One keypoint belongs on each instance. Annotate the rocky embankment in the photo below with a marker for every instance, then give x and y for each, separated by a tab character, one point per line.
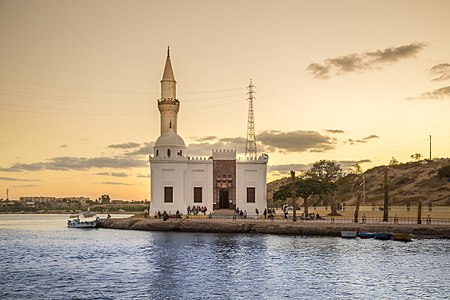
271	227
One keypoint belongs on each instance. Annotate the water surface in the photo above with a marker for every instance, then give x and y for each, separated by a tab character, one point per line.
41	258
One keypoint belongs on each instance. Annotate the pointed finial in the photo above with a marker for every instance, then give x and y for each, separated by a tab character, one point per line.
168	51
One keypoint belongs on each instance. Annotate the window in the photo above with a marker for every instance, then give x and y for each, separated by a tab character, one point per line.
157	152
251	195
198	194
168	152
168	194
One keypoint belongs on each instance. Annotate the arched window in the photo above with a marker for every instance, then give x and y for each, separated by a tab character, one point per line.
168	152
157	152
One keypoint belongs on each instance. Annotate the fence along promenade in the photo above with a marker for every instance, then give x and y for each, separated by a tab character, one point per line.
400	214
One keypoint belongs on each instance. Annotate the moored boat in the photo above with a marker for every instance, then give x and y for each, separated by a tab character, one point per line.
403	237
90	220
348	234
365	235
382	236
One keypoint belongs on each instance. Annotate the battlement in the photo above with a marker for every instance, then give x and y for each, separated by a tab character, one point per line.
199	157
224	154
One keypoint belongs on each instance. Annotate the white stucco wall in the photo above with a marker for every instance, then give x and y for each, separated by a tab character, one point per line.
170	174
199	174
251	174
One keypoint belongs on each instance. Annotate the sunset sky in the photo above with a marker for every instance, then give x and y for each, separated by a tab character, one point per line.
350	81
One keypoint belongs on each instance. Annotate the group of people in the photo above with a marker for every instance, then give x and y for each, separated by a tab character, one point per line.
164	215
268	213
194	210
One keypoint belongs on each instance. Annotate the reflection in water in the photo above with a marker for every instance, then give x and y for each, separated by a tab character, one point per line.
42	258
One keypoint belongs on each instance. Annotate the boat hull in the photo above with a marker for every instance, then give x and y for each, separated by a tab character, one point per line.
402	237
365	235
76	223
382	236
348	234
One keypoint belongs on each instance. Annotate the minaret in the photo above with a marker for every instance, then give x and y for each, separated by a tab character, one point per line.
168	105
250	146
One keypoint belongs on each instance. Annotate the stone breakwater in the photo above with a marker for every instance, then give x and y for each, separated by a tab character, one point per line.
268	227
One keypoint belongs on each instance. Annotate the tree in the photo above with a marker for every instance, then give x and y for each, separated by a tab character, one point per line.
356	184
105	199
304	188
326	172
356	169
416	156
393	162
385	187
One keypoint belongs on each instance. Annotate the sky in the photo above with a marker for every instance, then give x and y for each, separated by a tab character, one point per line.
348	81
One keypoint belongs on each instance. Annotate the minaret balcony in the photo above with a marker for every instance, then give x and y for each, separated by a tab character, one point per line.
169	101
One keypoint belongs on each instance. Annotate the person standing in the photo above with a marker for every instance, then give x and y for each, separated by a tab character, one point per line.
257	213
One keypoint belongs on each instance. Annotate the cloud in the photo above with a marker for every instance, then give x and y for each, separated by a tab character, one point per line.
439	94
129	145
16	179
205	149
270	141
143	176
146	149
114	174
205	138
80	163
9	170
334	131
372	136
295	141
361	141
63	146
347	164
285	169
112	183
363	61
440	72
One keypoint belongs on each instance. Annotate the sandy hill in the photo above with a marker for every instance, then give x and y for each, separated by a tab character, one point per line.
408	183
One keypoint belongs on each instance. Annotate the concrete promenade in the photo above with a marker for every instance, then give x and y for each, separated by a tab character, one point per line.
261	226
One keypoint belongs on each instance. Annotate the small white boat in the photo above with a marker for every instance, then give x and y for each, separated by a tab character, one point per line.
348	234
90	220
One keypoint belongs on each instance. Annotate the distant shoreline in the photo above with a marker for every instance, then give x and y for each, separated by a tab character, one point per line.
301	228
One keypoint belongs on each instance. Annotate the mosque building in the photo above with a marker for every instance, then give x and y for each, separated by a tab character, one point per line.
218	182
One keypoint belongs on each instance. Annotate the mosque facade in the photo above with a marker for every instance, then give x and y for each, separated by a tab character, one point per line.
221	181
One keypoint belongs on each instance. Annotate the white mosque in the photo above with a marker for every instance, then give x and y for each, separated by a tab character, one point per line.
218	182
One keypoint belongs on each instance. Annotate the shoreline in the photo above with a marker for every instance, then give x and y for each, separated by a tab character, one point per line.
301	228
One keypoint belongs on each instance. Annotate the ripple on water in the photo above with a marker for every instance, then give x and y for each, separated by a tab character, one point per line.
57	262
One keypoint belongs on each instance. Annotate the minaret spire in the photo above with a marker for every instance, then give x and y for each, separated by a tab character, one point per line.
168	105
250	146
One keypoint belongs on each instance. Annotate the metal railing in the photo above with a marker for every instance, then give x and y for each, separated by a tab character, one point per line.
326	219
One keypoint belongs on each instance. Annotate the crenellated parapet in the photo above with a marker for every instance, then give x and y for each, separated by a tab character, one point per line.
263	158
224	154
195	158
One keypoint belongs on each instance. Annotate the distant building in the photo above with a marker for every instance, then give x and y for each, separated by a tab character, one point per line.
220	181
41	200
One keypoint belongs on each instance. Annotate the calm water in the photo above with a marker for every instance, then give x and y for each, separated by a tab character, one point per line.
41	258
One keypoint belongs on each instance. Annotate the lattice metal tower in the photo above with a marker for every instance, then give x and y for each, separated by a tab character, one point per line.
250	145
